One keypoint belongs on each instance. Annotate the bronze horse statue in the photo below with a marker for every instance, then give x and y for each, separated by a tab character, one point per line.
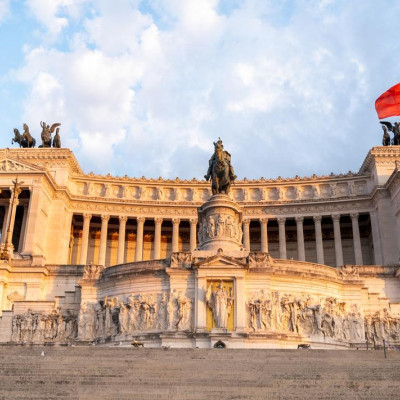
25	140
220	173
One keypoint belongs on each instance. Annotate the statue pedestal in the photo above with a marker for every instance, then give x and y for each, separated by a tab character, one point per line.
220	224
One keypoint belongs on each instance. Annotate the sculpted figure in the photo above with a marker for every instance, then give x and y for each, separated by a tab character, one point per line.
57	139
182	302
386	136
252	304
220	302
220	170
229	227
134	309
46	133
210	227
171	309
220	226
123	319
25	140
162	312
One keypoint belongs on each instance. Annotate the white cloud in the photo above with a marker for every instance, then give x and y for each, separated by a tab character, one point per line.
156	88
4	9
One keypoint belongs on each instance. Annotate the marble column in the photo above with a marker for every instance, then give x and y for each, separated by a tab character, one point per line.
103	239
356	239
121	239
23	228
376	238
139	239
175	234
338	240
246	234
85	238
264	235
240	305
318	239
4	229
282	238
193	227
157	238
301	254
200	304
32	242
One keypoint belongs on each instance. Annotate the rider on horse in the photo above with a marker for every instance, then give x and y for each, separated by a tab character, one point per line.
219	146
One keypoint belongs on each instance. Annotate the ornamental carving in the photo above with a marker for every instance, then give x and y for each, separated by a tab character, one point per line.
259	260
183	260
307	315
348	272
92	271
219	226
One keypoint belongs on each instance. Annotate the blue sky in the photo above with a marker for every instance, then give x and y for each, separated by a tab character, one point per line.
145	87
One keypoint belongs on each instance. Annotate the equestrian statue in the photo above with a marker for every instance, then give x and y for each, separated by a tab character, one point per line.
220	170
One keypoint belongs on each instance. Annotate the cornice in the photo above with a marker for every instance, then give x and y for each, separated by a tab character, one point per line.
380	155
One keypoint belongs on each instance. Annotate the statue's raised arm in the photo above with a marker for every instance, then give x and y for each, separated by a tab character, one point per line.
220	170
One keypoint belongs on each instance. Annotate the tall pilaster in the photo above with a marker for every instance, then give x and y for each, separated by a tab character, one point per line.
157	238
264	235
318	239
338	240
139	239
246	234
301	254
85	238
282	238
103	239
193	226
356	239
175	234
376	238
121	239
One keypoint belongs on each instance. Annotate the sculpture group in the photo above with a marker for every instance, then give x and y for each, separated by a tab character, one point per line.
386	140
27	141
327	317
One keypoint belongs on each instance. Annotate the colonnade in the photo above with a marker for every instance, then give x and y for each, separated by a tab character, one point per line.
176	222
318	238
140	221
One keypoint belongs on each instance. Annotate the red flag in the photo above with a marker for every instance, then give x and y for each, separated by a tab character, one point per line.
388	103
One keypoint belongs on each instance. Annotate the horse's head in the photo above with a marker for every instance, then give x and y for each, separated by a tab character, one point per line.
219	154
16	132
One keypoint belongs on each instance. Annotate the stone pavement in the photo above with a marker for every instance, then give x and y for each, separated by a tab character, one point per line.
192	374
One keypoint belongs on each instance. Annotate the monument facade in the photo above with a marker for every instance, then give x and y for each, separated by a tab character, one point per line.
252	264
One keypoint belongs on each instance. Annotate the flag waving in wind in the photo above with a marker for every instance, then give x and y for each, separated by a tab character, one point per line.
388	103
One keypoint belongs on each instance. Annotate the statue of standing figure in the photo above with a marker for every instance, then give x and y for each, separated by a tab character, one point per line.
220	301
220	170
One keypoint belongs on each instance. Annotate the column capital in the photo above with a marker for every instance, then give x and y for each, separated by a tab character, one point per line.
299	220
335	217
87	216
176	221
246	221
105	217
281	220
317	218
123	218
264	221
354	215
158	220
140	220
193	221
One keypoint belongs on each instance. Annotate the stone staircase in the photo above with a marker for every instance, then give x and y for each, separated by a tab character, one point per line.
190	374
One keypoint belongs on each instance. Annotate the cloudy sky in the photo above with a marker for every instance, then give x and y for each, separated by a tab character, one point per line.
145	87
